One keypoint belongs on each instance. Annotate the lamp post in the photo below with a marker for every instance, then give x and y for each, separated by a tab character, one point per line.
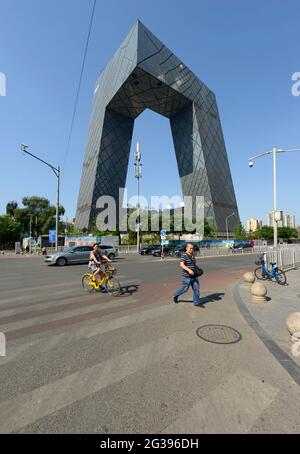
232	214
138	176
56	171
274	151
30	221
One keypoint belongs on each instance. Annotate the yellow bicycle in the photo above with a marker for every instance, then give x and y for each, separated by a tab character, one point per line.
108	281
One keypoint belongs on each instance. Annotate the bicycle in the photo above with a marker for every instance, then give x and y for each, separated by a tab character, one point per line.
263	273
108	281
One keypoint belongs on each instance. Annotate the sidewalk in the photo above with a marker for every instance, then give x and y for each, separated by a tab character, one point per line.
271	316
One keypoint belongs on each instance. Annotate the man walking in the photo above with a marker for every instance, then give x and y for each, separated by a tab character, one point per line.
188	265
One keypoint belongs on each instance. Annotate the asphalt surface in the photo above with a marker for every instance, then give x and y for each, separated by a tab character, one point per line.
82	363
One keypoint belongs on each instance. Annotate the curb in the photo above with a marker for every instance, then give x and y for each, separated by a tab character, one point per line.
282	357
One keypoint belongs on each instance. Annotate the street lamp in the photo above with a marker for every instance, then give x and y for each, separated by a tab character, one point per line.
274	151
30	221
138	176
57	174
232	214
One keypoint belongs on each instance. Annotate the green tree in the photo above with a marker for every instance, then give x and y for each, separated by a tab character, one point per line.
210	229
36	204
11	208
72	230
286	233
43	215
39	211
10	229
264	233
239	232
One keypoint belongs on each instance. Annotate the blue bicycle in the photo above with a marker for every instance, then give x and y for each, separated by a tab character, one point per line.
262	272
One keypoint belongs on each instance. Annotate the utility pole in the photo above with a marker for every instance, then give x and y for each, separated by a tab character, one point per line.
227	233
30	221
274	152
56	172
138	176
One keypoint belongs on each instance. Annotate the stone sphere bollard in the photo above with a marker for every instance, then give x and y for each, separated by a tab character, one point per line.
259	292
2	252
249	277
293	324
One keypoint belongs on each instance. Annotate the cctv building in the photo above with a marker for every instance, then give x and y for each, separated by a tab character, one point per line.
142	74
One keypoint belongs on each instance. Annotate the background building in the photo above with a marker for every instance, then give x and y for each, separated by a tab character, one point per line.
253	224
271	219
287	220
144	73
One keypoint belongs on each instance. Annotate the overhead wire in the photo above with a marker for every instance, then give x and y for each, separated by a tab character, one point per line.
79	86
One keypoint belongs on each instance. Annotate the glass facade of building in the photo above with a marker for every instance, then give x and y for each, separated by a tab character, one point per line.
143	74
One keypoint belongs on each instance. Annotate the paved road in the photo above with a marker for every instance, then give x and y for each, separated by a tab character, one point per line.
38	298
91	363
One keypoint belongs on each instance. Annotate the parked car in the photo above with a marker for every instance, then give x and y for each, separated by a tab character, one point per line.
78	254
147	249
110	251
178	250
157	252
241	246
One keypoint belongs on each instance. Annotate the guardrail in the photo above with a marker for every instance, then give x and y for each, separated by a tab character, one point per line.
126	249
286	258
203	251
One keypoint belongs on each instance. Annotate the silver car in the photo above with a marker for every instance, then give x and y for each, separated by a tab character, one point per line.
78	254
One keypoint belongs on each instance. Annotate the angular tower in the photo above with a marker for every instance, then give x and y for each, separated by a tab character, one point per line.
143	74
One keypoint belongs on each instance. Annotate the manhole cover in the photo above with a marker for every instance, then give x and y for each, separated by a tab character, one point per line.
219	334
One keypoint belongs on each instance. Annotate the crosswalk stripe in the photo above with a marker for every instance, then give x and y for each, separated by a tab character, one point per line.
75	307
29	407
17	350
233	405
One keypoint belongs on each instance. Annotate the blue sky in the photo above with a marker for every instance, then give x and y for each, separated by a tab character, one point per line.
245	51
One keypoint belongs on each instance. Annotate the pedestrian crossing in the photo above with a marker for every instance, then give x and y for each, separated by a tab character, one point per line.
43	322
44	400
79	362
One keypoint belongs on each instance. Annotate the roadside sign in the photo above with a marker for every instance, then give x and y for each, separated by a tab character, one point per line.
163	233
52	236
164	242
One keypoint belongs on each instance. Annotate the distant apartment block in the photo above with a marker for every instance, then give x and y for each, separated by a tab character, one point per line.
287	220
253	224
271	219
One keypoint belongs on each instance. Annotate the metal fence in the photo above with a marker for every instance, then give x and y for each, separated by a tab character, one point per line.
204	251
285	257
127	249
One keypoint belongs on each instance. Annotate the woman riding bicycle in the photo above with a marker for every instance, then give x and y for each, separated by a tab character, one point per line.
95	262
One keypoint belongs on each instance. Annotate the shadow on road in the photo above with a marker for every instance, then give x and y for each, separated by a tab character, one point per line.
128	290
211	298
207	299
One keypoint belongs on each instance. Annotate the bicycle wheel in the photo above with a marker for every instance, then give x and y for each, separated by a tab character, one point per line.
113	286
280	277
87	283
260	274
